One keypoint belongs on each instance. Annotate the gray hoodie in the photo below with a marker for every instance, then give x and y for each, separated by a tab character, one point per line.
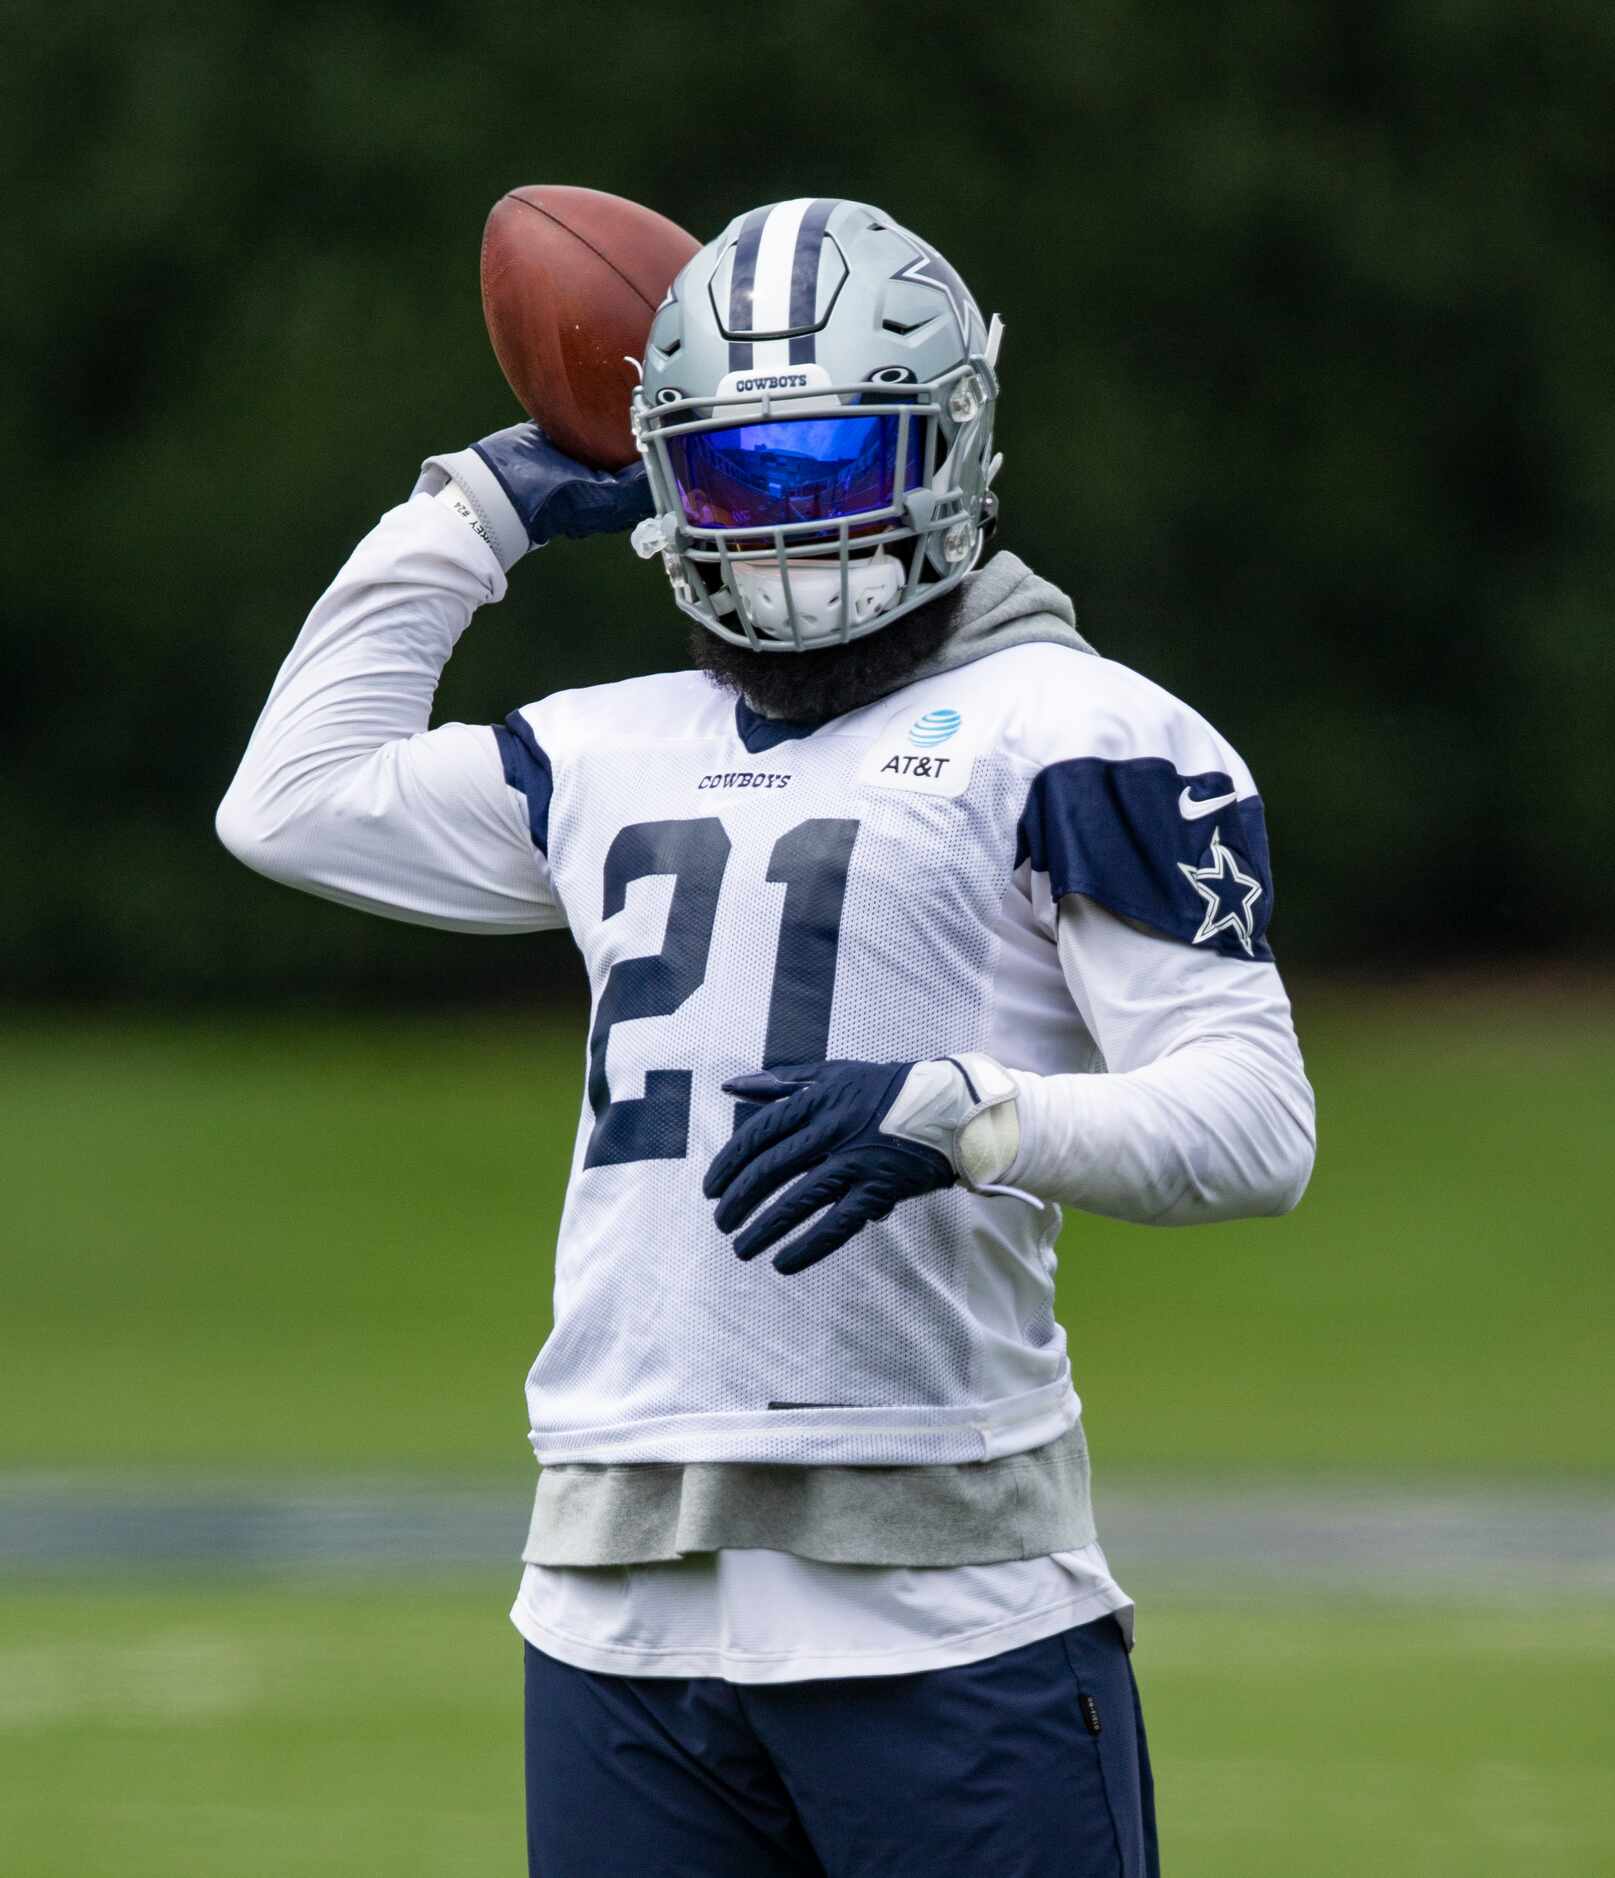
1002	604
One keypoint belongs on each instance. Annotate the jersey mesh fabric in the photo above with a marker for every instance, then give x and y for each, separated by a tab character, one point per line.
827	891
666	1346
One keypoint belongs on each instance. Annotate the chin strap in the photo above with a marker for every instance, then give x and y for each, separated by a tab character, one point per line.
652	536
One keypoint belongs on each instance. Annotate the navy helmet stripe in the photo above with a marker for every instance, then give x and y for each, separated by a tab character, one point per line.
742	286
805	276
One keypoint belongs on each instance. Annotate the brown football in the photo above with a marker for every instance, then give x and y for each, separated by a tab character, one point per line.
571	279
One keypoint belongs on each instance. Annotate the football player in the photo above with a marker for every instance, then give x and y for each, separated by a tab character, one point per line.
908	920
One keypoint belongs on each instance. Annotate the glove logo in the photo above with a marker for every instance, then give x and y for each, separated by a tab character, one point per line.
933	728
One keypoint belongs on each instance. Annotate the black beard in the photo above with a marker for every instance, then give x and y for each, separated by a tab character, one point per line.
813	687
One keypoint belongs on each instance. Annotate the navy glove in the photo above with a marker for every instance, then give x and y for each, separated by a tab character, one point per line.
825	1117
525	491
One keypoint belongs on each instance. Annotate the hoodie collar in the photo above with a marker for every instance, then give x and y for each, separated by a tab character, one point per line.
1001	604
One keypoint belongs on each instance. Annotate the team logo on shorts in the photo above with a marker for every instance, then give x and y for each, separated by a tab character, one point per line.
934	728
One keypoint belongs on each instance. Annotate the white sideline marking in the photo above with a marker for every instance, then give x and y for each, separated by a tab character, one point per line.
172	1676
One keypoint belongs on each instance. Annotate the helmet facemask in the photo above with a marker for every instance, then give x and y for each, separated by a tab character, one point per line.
794	512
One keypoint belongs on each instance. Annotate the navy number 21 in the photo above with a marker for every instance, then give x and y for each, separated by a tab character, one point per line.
811	862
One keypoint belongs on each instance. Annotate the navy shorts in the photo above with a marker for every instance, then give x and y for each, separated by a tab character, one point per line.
1031	1764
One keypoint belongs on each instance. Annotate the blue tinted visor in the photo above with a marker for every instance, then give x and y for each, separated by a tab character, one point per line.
801	469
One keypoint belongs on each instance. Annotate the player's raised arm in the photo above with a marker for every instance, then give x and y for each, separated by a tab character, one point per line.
343	790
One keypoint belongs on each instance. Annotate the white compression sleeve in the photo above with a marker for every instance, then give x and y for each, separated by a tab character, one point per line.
343	790
459	504
1205	1114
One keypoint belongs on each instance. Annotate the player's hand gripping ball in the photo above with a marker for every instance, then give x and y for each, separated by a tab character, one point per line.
821	1121
554	495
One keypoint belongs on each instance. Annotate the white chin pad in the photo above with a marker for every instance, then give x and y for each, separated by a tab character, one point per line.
872	585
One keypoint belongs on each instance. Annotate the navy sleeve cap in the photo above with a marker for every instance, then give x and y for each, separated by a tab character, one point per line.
527	769
1182	854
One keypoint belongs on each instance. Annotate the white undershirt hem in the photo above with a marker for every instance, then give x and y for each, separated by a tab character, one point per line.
811	1657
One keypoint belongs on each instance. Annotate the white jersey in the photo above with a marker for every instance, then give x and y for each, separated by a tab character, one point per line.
744	893
741	899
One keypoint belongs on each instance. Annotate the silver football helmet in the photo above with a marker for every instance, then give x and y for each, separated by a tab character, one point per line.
816	413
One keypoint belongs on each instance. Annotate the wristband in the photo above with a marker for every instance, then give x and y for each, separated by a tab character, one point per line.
457	502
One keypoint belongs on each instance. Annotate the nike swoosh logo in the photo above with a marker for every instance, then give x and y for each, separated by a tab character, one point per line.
1191	808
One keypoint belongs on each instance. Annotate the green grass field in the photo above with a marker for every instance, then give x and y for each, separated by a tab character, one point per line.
267	1247
206	1731
248	1250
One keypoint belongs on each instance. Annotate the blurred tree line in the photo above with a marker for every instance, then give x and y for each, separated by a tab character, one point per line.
1309	402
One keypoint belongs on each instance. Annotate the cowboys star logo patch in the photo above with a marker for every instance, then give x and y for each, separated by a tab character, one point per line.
1230	896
